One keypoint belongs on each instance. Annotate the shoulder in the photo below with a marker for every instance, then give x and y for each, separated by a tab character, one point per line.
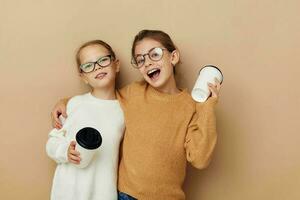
209	103
75	101
189	102
134	85
131	89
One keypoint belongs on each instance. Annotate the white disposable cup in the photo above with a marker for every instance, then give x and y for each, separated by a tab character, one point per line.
207	74
88	140
86	156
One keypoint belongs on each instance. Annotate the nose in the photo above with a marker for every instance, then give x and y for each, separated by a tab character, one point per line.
148	61
97	66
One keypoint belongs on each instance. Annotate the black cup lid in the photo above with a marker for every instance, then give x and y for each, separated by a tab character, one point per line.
89	138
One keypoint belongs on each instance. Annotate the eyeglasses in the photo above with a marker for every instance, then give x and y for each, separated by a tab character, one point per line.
155	54
103	61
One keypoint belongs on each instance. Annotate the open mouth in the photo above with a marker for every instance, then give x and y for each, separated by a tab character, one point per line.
153	73
100	75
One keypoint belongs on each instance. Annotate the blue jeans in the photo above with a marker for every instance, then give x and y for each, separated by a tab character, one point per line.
123	196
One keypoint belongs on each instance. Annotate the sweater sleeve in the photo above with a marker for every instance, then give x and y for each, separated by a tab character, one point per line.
123	95
201	134
57	146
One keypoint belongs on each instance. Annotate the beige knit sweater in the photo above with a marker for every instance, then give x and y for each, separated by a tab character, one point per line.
162	133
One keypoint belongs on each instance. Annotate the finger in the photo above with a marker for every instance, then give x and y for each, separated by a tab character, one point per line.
74	161
218	87
55	114
213	91
73	144
64	113
57	125
211	85
75	158
217	81
56	121
72	148
53	122
211	88
74	152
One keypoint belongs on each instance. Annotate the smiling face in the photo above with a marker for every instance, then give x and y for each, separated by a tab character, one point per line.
101	77
159	74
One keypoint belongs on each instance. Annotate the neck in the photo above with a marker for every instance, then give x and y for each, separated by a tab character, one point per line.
169	87
107	93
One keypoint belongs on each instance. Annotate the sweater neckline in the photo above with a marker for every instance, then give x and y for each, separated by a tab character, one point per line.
165	96
92	97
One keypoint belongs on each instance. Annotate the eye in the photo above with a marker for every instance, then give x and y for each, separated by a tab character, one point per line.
139	60
156	53
104	61
86	66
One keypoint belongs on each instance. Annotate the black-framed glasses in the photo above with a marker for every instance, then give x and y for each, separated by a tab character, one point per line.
103	61
154	54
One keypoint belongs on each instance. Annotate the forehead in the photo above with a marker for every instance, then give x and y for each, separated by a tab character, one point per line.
145	45
92	53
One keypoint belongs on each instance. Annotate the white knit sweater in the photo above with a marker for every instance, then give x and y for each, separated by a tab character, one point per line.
98	181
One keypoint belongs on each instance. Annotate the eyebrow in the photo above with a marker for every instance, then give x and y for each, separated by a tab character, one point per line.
97	59
148	51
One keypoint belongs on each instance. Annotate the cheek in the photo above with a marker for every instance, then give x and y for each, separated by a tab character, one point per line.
113	71
90	76
142	70
166	63
168	68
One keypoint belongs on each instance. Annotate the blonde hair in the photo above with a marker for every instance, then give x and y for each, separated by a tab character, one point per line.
91	43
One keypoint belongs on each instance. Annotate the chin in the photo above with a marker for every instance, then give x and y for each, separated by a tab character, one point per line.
102	84
156	84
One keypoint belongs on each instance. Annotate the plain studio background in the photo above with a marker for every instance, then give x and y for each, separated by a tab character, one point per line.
255	43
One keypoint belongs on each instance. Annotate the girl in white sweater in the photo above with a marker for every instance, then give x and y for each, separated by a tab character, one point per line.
98	66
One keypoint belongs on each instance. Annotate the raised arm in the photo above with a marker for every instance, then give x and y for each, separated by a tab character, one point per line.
201	134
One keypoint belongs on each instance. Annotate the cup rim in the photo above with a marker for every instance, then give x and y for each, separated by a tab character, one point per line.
215	68
83	144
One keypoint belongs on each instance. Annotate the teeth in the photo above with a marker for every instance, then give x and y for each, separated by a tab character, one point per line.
151	71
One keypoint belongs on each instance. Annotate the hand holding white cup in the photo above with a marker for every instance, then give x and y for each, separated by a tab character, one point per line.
73	155
88	141
204	86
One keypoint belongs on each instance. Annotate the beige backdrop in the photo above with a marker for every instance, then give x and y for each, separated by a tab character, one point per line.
255	43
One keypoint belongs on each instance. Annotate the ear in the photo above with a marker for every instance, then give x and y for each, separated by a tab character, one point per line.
117	64
175	57
83	78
